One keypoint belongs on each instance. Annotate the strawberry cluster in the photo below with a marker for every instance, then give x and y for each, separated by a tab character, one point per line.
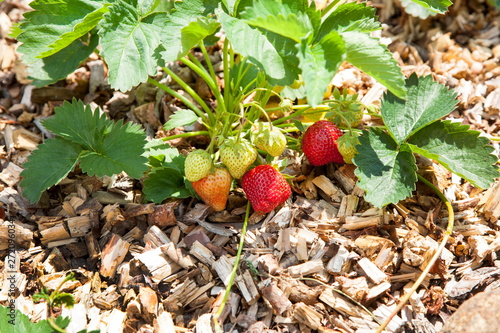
265	187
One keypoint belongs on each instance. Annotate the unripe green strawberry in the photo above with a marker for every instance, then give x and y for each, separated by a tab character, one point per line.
346	111
347	146
272	140
237	156
197	165
319	143
214	188
265	188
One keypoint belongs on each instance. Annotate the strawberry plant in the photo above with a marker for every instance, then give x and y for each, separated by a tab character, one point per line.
281	49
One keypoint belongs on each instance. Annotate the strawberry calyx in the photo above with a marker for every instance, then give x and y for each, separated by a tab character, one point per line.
347	146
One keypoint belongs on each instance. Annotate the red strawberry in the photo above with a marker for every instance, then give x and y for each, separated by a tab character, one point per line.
214	188
319	143
265	188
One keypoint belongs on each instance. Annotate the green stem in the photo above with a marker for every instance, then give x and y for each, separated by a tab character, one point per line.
208	62
188	89
53	294
226	65
185	135
183	99
291	115
54	326
208	80
449	229
235	268
259	108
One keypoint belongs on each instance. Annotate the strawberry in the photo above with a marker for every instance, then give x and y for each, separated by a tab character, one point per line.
270	139
237	156
214	188
197	165
346	111
265	188
347	146
319	143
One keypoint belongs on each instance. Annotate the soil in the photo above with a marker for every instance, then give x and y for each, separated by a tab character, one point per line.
325	261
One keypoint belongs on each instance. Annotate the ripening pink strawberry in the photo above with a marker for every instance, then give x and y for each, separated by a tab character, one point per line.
214	188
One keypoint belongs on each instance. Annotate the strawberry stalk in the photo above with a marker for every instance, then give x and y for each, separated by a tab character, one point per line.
187	88
233	272
183	99
449	229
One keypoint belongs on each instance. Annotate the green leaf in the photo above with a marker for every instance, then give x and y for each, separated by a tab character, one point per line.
287	49
18	322
163	183
282	18
77	123
427	101
417	10
195	32
55	24
253	44
319	63
89	22
129	43
120	150
15	30
460	150
386	172
180	118
438	6
102	147
494	3
187	26
166	157
58	66
350	17
65	299
375	59
47	166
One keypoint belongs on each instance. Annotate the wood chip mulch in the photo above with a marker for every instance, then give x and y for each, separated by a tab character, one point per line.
326	261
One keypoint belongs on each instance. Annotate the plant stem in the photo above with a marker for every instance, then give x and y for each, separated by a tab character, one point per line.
208	61
183	99
293	115
226	63
235	268
449	229
198	68
54	326
188	89
185	135
50	305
